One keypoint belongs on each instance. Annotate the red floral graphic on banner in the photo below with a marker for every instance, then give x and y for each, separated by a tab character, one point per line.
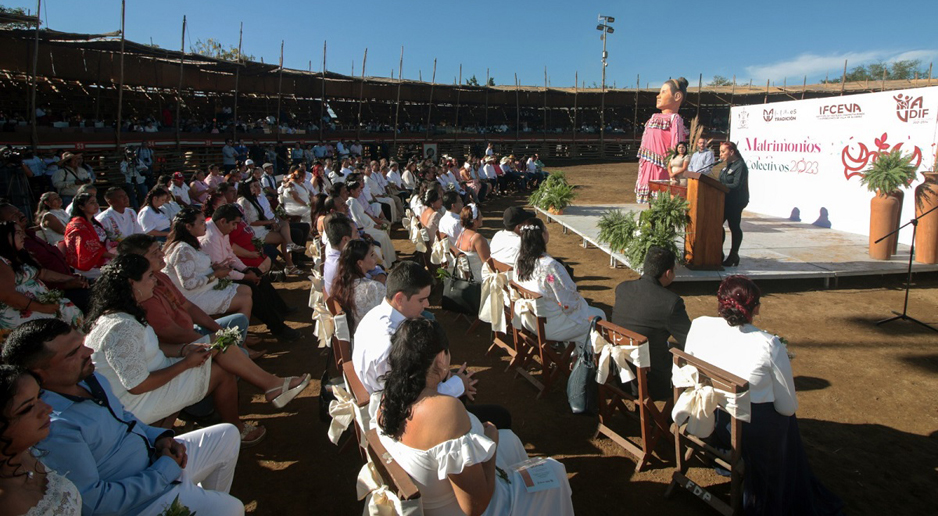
854	165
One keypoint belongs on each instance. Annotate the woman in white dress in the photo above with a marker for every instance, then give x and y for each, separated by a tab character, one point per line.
432	213
152	218
149	384
52	218
371	225
471	242
194	274
568	315
294	196
355	292
268	231
461	465
678	165
27	486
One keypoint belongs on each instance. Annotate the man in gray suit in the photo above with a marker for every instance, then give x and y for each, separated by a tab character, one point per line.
647	307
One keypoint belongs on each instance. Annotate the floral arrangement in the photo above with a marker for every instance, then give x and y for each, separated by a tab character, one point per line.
50	297
258	244
226	337
177	509
784	341
222	283
280	212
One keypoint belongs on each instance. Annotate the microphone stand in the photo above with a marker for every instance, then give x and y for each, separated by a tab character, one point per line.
908	284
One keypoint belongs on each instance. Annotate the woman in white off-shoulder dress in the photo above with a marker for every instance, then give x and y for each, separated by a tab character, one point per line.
27	486
441	446
194	274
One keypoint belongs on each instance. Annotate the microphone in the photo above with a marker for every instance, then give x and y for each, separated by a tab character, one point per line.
715	163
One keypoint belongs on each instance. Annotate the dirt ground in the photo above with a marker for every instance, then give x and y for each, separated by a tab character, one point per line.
867	394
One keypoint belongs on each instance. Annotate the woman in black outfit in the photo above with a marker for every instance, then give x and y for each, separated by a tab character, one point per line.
735	176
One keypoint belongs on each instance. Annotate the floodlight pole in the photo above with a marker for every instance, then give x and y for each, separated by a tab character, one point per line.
606	30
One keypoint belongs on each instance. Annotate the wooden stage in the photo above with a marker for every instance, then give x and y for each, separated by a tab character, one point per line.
773	248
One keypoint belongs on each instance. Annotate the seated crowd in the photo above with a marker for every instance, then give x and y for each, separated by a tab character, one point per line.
124	308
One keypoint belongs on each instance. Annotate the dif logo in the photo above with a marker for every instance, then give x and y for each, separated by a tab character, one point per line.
908	108
782	115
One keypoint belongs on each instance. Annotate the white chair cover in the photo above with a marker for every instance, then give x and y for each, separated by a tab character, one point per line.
325	324
492	309
439	251
622	355
419	244
342	410
379	500
696	405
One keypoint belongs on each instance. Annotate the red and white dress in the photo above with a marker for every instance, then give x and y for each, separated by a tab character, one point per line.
662	133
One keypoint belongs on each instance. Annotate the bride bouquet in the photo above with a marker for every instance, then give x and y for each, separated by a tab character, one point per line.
226	337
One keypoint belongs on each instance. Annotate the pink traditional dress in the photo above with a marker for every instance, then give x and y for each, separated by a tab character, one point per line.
662	133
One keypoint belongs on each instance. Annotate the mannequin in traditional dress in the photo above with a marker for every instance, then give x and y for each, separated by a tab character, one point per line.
662	133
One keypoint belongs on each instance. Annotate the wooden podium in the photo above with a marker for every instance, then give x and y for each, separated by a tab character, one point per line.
703	245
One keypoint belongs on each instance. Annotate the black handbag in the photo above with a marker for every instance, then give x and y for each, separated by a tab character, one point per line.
462	296
582	391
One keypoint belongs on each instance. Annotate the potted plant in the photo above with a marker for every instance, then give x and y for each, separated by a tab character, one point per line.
888	173
554	194
659	225
617	229
926	235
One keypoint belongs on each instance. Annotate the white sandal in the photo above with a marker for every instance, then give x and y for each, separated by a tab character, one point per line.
286	393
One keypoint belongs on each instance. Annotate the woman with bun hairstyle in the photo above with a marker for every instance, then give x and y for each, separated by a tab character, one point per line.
663	132
777	480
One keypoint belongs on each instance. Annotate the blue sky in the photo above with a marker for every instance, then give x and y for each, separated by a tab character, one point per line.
752	40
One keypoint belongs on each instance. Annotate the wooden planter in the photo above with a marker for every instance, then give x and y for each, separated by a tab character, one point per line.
884	218
555	211
926	235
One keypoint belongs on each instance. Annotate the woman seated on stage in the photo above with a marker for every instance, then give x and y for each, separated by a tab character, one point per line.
460	464
777	479
678	165
147	381
86	242
355	292
27	486
471	242
568	316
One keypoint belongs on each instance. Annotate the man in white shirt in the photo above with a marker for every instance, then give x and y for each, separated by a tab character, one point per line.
269	181
507	242
450	225
702	160
119	220
180	189
268	306
489	150
489	174
356	148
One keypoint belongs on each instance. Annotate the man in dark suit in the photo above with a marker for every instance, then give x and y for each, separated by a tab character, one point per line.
647	307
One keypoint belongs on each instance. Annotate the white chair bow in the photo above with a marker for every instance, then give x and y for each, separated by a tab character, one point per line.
696	405
419	244
325	324
526	309
439	251
342	410
379	500
622	355
492	309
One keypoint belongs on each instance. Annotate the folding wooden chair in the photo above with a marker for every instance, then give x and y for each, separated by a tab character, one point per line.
341	347
393	475
654	424
686	445
359	393
500	339
555	356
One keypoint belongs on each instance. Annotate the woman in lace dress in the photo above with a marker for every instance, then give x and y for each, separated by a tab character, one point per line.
471	242
568	315
460	464
148	382
27	487
51	218
194	274
352	289
22	287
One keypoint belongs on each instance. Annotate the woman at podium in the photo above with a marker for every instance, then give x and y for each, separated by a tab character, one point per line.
735	176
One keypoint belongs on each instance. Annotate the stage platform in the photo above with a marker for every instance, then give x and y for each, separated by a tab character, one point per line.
773	248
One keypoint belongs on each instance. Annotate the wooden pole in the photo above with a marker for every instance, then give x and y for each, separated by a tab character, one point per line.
120	85
322	100
458	87
766	101
638	86
517	108
33	82
234	116
576	84
804	87
544	131
843	79
361	98
929	73
486	99
430	103
280	90
397	108
733	91
884	78
699	92
182	55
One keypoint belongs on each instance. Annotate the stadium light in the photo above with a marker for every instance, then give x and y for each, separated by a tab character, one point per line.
606	30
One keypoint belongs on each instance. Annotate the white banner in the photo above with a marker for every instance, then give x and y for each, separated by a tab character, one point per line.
806	157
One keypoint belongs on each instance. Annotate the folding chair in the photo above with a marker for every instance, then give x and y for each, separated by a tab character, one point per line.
361	399
625	348
555	356
341	339
394	479
731	393
500	338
